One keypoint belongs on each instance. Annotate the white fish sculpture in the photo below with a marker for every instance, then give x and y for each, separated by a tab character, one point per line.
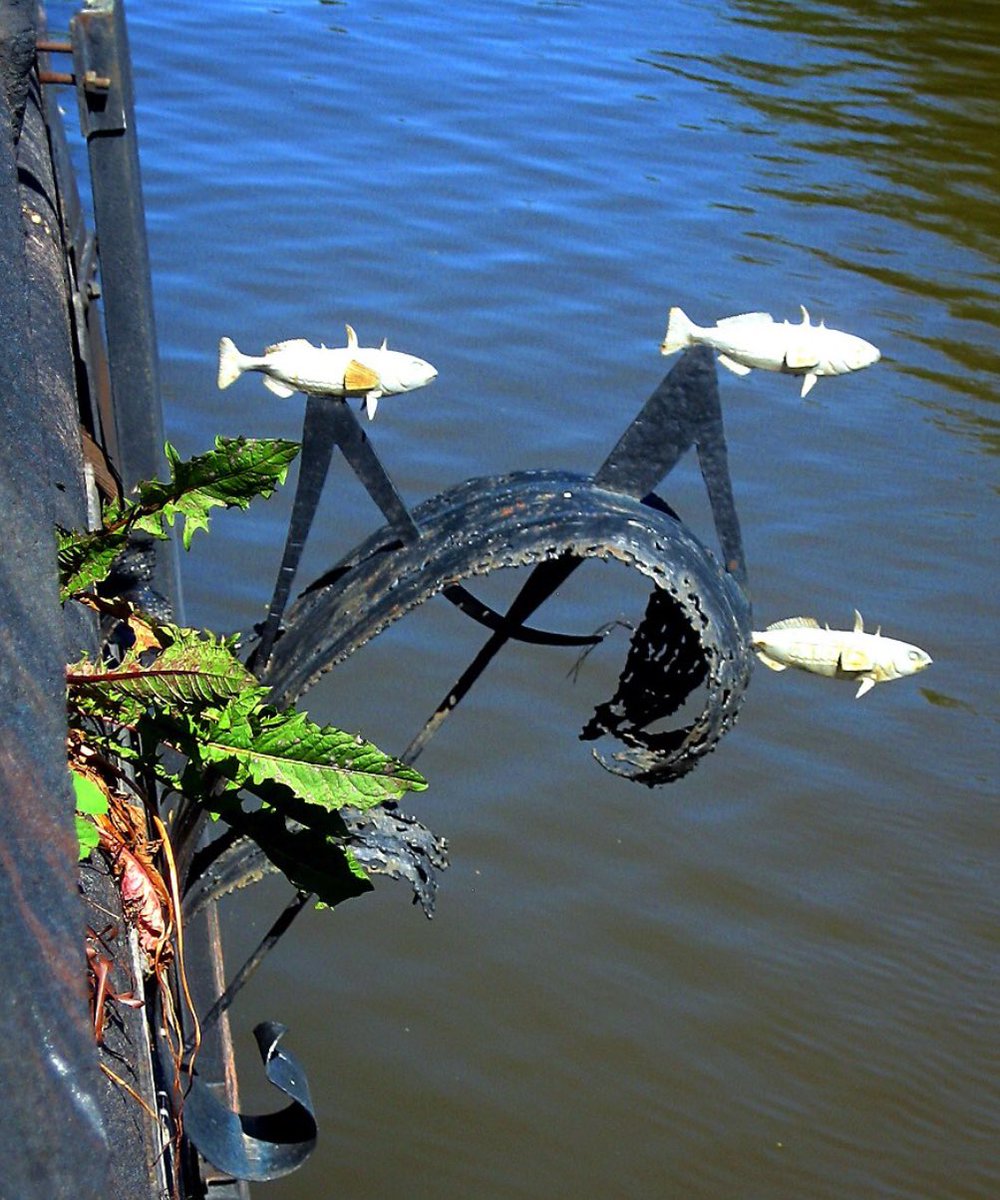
351	370
867	657
758	340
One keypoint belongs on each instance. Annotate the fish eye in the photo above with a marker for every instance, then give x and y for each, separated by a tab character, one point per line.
914	655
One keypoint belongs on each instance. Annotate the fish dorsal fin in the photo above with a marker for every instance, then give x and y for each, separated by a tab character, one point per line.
805	314
756	318
352	337
385	344
359	378
859	625
280	389
795	623
291	344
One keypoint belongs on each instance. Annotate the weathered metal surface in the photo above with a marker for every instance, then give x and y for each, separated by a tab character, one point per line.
327	423
383	840
72	1130
18	30
256	1147
218	1066
516	520
80	246
330	422
684	411
107	113
696	631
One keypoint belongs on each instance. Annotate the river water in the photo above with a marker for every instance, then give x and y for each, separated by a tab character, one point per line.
778	977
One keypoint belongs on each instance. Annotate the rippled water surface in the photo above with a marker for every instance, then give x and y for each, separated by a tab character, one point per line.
778	977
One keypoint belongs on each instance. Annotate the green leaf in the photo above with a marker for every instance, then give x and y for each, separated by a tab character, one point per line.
87	837
89	799
188	690
193	669
230	476
85	559
255	744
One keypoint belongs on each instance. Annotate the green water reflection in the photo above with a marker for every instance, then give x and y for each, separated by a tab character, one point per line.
877	128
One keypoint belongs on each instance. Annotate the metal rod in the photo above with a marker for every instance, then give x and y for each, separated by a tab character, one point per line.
328	422
540	584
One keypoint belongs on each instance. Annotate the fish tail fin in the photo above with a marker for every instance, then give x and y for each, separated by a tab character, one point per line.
680	330
231	362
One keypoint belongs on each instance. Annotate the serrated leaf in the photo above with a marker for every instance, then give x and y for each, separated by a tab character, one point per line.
321	765
192	669
85	559
230	476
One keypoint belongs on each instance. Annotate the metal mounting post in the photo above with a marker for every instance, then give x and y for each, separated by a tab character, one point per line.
103	74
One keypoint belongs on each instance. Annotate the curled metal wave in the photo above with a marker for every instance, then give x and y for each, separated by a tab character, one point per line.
254	1147
524	519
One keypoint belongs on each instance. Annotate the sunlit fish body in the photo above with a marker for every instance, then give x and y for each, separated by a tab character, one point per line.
866	657
351	370
758	340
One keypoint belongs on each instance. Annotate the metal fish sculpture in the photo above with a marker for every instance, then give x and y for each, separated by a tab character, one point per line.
758	340
351	370
867	657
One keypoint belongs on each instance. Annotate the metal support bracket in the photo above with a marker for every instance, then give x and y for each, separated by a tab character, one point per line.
103	78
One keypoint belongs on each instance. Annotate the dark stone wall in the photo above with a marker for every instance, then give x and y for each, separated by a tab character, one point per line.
52	1136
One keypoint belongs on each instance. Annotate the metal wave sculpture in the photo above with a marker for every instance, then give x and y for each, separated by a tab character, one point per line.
694	637
696	630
